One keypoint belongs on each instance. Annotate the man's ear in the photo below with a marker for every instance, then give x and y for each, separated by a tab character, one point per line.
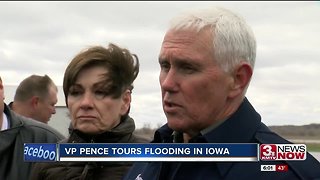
241	75
35	101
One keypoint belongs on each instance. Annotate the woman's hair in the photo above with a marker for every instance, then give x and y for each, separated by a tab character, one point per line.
122	66
233	39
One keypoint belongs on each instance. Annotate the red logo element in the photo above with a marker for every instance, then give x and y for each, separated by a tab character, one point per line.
279	152
268	152
281	167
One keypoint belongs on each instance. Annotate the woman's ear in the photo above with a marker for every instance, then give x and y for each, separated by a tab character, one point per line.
126	101
242	75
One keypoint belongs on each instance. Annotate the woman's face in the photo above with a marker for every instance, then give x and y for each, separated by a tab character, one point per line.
91	106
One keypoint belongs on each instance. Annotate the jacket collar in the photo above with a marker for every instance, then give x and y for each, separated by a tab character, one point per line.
238	128
120	134
9	135
13	120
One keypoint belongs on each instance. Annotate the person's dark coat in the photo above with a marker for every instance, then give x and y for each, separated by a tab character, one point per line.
21	130
244	126
123	133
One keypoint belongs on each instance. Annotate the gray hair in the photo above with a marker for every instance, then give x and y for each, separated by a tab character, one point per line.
233	40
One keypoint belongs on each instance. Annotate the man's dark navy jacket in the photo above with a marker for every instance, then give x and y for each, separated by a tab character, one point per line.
244	126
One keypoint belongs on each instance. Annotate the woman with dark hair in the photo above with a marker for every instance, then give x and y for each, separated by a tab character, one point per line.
97	85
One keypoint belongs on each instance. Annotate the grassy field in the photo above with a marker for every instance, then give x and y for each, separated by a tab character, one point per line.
312	147
306	134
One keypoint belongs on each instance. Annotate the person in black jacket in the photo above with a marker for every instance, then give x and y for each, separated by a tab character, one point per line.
97	86
15	130
206	64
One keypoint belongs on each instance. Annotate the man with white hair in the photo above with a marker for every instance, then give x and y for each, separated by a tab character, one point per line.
206	64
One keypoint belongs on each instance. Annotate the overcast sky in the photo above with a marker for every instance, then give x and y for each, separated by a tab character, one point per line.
42	38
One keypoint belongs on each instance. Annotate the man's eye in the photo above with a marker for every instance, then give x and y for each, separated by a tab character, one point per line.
165	66
188	69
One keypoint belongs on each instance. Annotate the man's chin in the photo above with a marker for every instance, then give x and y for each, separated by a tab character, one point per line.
176	125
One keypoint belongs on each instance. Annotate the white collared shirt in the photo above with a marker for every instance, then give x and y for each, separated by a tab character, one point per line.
4	122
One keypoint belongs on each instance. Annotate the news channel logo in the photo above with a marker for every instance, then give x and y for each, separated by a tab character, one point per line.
35	152
279	152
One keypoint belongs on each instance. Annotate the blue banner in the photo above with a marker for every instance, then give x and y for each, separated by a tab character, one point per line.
40	152
158	152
